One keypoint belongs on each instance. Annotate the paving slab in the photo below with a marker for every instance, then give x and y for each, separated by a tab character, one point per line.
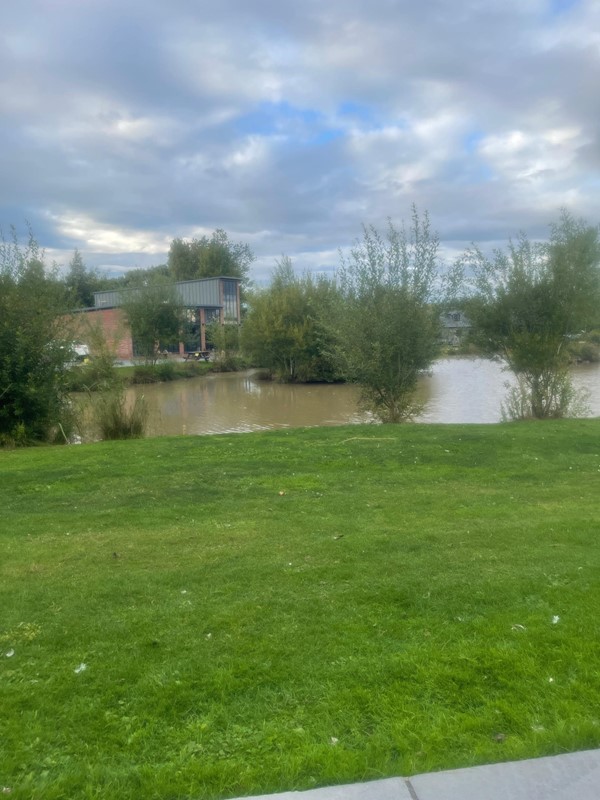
575	776
387	789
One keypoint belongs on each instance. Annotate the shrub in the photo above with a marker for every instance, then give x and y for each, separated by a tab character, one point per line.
115	420
144	373
98	374
166	371
34	345
588	351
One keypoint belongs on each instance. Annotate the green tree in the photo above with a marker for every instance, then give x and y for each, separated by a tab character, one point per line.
35	345
154	315
388	325
224	341
284	330
81	282
209	258
140	276
525	304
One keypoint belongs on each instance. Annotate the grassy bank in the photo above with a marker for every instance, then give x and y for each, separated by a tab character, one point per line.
290	609
92	376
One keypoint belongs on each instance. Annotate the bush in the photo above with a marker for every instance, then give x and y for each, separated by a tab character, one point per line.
115	420
230	363
526	302
193	369
145	373
588	352
387	325
97	374
594	336
550	395
34	345
169	371
166	371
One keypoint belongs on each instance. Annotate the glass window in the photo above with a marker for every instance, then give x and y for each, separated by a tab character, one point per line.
230	306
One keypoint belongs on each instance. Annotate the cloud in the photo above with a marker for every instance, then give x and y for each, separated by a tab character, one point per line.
123	126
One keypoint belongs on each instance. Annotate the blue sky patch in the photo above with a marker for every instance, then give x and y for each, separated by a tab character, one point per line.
558	7
302	124
472	141
366	115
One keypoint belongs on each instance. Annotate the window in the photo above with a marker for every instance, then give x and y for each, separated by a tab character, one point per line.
230	305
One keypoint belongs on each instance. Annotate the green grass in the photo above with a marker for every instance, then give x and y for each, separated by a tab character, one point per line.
164	371
390	613
93	376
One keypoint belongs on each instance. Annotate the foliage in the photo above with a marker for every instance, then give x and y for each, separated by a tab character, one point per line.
285	331
552	389
131	279
81	283
527	302
116	419
154	315
97	372
388	327
140	277
35	345
224	343
162	372
210	258
426	596
584	351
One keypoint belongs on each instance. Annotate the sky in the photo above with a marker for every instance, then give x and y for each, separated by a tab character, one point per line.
290	125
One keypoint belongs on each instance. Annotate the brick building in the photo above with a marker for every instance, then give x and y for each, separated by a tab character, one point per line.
205	301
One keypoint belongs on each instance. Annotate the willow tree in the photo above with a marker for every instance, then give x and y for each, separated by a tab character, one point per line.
388	324
527	302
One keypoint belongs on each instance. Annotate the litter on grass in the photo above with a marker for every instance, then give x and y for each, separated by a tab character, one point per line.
80	668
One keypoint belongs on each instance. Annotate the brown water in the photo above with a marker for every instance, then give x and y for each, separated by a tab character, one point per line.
458	390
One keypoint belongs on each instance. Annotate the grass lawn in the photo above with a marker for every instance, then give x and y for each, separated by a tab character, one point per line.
290	609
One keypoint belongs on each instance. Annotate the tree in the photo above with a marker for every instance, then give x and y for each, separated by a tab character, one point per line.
224	341
210	258
388	326
527	301
81	282
154	315
284	330
35	345
139	277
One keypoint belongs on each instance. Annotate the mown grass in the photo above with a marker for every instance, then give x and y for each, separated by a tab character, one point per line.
290	609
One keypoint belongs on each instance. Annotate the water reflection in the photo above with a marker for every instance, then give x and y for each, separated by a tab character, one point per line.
239	402
457	390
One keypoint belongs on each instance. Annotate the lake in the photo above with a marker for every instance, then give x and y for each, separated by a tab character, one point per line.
456	390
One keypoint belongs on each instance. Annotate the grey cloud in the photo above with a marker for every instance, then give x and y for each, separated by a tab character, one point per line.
133	117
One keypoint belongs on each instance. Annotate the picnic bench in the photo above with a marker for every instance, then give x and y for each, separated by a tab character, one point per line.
197	355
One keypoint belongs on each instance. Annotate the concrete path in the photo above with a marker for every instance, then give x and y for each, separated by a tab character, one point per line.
575	776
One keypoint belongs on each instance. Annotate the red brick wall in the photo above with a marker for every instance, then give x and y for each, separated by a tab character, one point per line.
114	326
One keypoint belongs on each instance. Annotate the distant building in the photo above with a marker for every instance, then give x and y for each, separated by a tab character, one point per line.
454	327
205	301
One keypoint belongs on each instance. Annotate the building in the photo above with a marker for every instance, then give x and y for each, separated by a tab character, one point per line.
454	326
206	300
